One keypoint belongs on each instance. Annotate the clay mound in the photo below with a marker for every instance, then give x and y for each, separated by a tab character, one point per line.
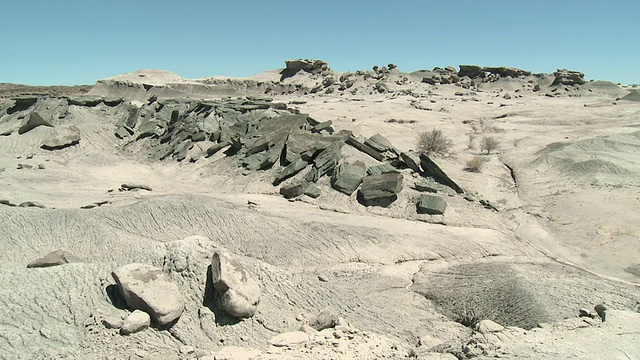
521	294
634	95
611	157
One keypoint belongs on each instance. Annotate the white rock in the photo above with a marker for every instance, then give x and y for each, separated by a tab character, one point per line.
135	322
237	353
240	292
147	288
488	326
112	322
290	339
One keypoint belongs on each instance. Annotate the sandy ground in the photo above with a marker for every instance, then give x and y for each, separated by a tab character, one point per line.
565	182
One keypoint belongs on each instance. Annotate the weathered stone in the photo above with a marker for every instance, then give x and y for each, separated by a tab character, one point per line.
504	71
313	191
306	65
472	71
323	126
32	122
379	143
380	190
327	160
488	326
431	205
122	132
430	168
348	177
568	77
147	288
61	138
327	318
22	103
112	322
289	339
365	148
88	101
410	161
136	321
423	187
31	204
292	190
290	170
381	169
239	292
57	257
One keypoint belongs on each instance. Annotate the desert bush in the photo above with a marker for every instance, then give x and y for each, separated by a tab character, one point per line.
475	164
489	144
434	143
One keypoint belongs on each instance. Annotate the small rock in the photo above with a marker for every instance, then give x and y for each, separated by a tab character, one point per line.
431	205
323	278
289	339
326	319
112	322
601	311
313	191
57	257
292	190
136	321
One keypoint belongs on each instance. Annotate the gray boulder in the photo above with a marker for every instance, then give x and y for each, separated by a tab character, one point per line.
380	190
431	205
313	191
61	138
381	169
239	292
33	122
472	71
379	143
348	177
327	318
147	288
57	257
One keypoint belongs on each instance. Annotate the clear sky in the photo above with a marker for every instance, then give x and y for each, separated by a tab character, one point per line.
78	42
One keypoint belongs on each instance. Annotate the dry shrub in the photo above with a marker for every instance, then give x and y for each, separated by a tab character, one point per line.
434	143
489	144
475	164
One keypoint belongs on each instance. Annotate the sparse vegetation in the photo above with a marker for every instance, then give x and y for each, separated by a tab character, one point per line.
489	144
434	143
467	317
475	164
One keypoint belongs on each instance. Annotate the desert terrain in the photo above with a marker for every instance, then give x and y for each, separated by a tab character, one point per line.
291	215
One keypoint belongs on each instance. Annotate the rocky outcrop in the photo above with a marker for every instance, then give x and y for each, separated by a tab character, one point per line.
504	71
147	288
54	258
239	293
33	122
471	71
431	205
380	190
568	77
62	138
306	65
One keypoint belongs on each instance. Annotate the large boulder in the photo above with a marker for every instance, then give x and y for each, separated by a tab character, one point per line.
504	71
62	138
568	77
380	190
239	292
431	205
294	189
147	288
306	65
348	177
33	122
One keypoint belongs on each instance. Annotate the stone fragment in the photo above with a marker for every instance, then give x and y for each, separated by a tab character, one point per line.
61	138
381	169
380	190
327	318
313	191
289	339
348	177
290	170
32	122
57	257
112	322
430	168
295	189
136	321
488	326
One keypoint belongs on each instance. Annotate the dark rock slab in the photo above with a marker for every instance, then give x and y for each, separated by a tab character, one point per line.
62	138
348	177
353	141
32	204
57	257
327	160
431	205
472	71
380	190
313	191
378	143
568	77
504	71
430	168
88	101
410	162
381	169
22	103
129	187
290	170
423	187
33	122
293	190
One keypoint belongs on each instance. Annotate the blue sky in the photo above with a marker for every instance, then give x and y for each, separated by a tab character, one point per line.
78	42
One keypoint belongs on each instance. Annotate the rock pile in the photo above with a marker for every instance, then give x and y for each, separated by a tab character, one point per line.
568	77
